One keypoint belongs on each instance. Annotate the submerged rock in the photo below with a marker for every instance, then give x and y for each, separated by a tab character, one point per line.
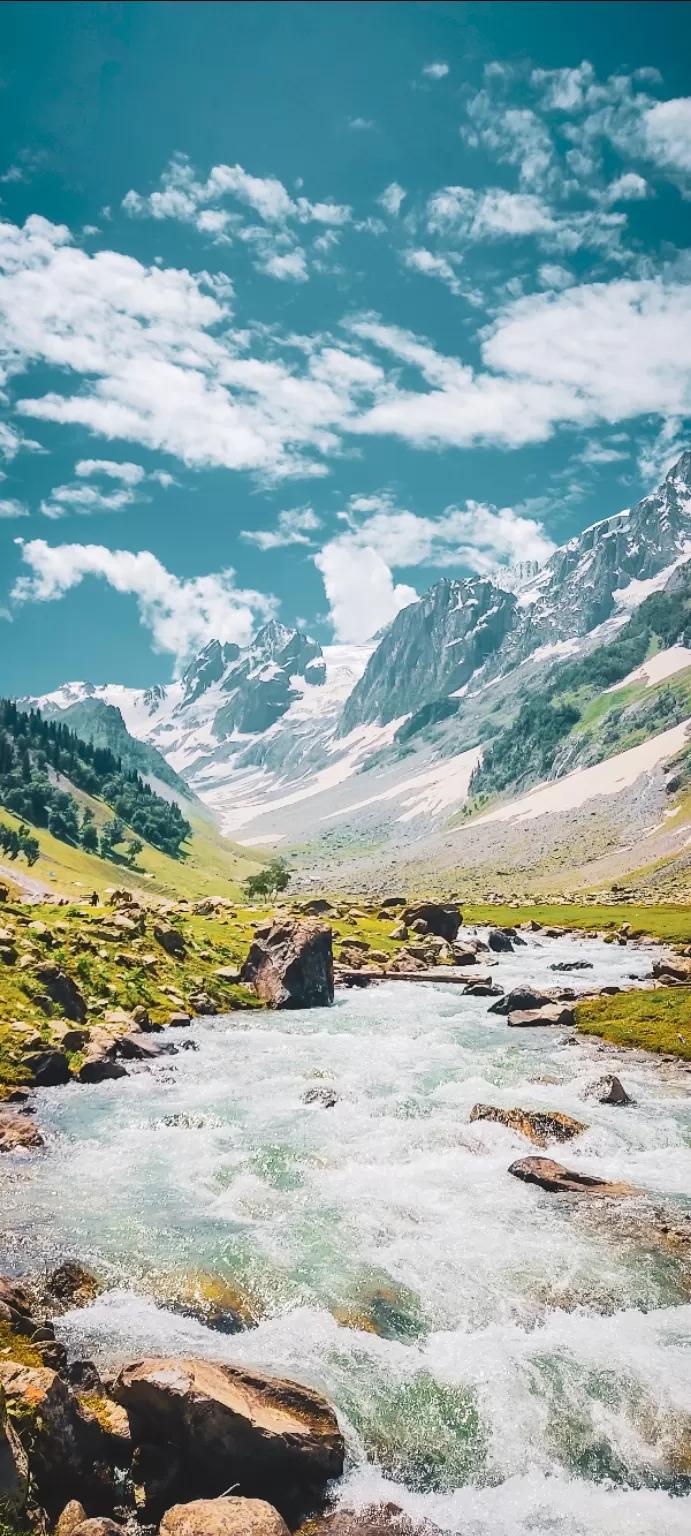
223	1517
608	1090
233	1425
327	1097
71	1285
291	966
539	1125
551	1176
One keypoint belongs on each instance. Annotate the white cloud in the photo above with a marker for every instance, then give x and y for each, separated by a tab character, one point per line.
292	527
629	187
182	615
515	136
185	198
85	499
361	124
391	199
564	90
432	266
291	267
477	537
553	276
10	507
435	71
467	215
360	589
130	474
667	129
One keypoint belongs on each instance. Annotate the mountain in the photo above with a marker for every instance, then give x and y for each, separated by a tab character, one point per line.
433	749
102	725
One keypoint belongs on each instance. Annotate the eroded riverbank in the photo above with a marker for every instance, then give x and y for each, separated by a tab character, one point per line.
531	1364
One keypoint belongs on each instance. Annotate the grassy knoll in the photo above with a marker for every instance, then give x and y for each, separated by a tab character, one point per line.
670	924
653	1021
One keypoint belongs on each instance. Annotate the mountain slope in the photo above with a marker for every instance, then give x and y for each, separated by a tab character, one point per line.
102	725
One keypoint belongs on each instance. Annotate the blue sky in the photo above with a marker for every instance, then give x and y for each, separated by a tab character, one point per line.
303	306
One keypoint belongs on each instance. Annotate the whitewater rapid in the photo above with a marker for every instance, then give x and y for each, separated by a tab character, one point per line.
537	1373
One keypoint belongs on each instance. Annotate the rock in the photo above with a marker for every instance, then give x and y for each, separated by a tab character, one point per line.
463	954
608	1090
444	921
551	1176
61	989
219	1303
571	965
8	954
67	1452
4	893
155	1474
384	1308
399	932
554	1013
16	1296
672	970
49	1068
316	906
418	925
233	1425
170	939
73	1514
69	1037
523	998
179	1020
376	1520
228	973
500	942
223	1517
538	1125
14	1467
203	1003
483	987
71	1285
99	1067
327	1097
292	967
17	1131
99	1525
83	1376
143	1021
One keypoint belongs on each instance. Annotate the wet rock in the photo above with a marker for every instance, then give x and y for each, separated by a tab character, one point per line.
99	1064
18	1298
292	966
538	1125
219	1303
179	1020
463	954
500	942
143	1020
482	988
223	1517
155	1473
385	1308
48	1068
17	1131
14	1466
61	989
233	1425
73	1514
133	1048
608	1090
83	1376
551	1176
523	998
443	920
326	1097
65	1446
553	1013
170	939
71	1285
203	1002
376	1520
672	970
571	965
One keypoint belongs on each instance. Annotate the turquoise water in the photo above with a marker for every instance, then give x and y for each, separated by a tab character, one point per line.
535	1369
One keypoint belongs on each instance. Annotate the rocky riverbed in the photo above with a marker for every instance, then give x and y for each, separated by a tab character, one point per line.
329	1196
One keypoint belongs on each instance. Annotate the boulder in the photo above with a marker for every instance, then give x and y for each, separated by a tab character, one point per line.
464	955
551	1176
292	965
554	1013
571	965
14	1467
327	1097
71	1285
4	893
375	1520
445	921
523	998
99	1064
500	942
170	939
8	954
223	1517
203	1002
61	989
232	1425
66	1447
538	1125
316	906
17	1131
99	1525
73	1514
49	1068
179	1020
608	1090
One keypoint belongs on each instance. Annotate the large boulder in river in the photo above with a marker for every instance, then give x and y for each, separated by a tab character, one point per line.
551	1176
223	1517
18	1131
67	1448
233	1426
523	998
445	921
552	1013
290	965
539	1125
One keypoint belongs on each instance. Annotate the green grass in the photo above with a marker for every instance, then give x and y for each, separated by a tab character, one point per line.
670	924
653	1021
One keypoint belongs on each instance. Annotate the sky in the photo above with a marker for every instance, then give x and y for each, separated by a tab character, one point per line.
304	306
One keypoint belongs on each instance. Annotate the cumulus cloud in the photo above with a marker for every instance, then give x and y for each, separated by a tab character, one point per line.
291	267
630	187
360	589
181	614
184	197
467	215
426	262
10	507
391	199
130	474
435	71
477	537
86	499
667	128
293	526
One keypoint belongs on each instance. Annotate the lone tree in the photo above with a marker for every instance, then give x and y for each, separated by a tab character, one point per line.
269	881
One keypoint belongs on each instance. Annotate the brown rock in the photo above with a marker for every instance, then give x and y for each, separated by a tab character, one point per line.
442	920
672	970
555	1013
170	939
551	1176
538	1125
62	990
100	1525
14	1466
223	1517
292	966
233	1425
376	1520
67	1450
179	1020
71	1285
608	1090
73	1514
17	1131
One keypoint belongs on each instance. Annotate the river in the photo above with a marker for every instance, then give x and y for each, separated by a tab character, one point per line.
535	1376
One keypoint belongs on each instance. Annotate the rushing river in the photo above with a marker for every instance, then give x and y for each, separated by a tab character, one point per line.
535	1373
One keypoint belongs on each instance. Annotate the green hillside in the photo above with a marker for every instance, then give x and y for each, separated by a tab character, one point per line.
102	725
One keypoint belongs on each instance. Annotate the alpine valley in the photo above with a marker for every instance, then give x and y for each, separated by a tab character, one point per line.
515	734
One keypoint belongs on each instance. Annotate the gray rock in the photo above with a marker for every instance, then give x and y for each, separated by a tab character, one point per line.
292	965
